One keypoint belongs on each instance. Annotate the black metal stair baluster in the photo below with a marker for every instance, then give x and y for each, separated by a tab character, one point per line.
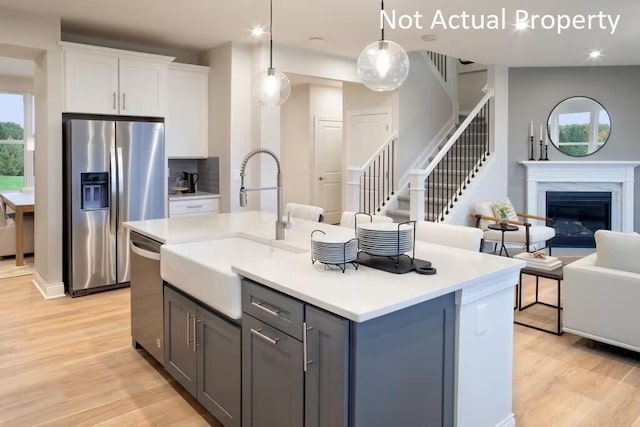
487	127
364	192
478	155
393	165
380	202
369	195
384	179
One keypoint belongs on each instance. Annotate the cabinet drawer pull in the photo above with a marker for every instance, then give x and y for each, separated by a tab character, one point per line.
188	329
273	312
195	207
114	100
194	333
124	101
258	333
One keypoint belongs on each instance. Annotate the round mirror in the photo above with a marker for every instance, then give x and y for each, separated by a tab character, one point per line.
579	126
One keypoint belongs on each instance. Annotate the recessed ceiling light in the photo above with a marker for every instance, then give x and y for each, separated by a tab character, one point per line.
257	32
428	37
522	25
316	40
595	54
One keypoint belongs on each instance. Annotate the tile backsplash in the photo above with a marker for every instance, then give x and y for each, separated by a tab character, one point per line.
208	171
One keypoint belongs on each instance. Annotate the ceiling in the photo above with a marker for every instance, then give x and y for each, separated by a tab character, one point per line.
348	25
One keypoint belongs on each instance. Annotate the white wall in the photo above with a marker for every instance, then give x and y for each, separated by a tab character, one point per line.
296	145
314	64
356	96
36	37
219	61
424	109
470	86
16	84
307	101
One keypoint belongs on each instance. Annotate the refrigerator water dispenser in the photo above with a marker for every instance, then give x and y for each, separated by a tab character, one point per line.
95	190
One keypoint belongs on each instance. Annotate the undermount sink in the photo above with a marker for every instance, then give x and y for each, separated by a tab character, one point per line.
203	270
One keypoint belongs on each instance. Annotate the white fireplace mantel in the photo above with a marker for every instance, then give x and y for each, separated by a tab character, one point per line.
614	176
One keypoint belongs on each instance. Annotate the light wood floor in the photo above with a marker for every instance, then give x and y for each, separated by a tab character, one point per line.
69	362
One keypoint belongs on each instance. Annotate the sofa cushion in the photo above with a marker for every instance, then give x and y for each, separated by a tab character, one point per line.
618	251
484	209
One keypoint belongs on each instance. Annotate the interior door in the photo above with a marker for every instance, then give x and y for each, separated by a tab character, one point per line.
328	167
367	130
141	181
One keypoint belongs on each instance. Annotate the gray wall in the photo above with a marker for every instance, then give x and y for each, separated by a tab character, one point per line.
533	92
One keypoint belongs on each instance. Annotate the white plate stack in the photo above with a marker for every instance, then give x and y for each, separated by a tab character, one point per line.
333	250
385	239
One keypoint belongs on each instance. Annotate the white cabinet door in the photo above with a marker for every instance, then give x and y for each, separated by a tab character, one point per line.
91	82
143	87
186	124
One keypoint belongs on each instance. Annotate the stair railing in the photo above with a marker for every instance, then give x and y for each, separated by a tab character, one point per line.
435	189
371	186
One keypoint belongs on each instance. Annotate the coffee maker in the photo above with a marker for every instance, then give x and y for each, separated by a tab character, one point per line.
191	179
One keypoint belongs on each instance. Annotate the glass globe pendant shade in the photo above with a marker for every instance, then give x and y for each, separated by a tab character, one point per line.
383	66
271	87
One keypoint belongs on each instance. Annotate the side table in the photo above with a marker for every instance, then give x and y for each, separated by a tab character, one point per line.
557	275
503	228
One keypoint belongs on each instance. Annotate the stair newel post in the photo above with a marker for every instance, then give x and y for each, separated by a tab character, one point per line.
353	196
416	191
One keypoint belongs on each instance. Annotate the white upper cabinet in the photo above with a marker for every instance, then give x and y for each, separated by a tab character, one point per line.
110	81
186	124
91	82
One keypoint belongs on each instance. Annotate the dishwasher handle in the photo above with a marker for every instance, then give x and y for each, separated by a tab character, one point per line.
143	252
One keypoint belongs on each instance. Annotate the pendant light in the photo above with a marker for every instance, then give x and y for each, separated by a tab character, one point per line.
383	65
271	86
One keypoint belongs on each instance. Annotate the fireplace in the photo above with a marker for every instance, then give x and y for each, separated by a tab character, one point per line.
577	215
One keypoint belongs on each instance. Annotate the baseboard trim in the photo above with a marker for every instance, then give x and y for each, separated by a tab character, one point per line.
48	290
510	421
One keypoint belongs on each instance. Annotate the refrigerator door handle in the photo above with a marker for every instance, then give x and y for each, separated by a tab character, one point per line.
114	194
120	181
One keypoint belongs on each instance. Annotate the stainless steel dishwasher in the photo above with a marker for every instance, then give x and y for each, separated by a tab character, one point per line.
147	305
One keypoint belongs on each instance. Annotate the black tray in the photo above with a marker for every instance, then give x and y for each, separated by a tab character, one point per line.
397	265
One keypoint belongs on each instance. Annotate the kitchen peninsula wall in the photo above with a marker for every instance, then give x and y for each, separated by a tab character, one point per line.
207	169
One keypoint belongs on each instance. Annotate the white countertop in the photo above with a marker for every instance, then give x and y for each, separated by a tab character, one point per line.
356	295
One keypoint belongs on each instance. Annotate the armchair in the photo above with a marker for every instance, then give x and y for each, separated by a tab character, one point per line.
529	234
306	212
602	290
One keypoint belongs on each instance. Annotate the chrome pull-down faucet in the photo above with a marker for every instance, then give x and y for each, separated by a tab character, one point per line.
280	224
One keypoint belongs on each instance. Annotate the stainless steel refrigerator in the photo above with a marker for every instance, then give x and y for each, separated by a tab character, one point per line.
114	171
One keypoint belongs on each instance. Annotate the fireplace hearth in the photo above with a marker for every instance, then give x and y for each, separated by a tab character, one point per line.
577	215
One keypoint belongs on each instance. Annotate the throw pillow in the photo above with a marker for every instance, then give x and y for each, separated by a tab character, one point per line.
484	209
511	212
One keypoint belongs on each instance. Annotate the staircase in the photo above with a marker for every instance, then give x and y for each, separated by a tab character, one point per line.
443	187
452	169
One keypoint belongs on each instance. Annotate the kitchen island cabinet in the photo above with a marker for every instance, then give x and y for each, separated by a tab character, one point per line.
202	353
395	369
479	299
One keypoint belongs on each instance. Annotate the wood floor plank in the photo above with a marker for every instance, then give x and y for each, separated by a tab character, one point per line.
69	362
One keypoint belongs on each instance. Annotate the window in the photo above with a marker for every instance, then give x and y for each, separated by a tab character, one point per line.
16	145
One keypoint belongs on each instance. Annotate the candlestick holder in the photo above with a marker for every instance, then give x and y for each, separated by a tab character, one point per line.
531	157
546	152
541	149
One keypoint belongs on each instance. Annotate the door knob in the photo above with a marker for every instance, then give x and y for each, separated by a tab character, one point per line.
320	178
